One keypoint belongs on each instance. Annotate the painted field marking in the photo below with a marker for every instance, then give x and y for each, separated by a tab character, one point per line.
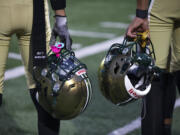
135	124
118	25
97	48
15	56
90	34
76	46
14	73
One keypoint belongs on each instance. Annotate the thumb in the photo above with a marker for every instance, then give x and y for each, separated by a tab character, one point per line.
130	33
68	43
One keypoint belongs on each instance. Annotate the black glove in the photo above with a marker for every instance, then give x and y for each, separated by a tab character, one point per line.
60	29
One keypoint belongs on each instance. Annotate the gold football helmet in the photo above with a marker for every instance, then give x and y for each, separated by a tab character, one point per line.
64	86
127	70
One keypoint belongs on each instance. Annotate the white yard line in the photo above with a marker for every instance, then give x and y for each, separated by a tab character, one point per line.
97	48
118	25
14	56
90	34
14	73
135	124
76	46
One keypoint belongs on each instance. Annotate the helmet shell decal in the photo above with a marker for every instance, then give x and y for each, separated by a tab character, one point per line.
81	71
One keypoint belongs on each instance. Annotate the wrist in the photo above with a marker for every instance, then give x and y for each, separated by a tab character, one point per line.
141	13
61	20
60	12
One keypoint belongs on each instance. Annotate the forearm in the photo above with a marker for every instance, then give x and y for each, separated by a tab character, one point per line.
142	9
142	4
59	7
60	28
140	22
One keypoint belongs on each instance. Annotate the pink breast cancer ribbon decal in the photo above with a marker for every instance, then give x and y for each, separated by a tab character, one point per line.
57	48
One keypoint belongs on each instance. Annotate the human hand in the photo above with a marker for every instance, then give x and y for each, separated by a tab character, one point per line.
60	29
137	25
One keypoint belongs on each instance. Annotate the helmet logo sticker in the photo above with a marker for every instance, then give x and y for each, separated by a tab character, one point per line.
80	72
133	93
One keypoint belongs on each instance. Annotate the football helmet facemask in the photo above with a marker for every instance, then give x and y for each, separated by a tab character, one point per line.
127	70
64	86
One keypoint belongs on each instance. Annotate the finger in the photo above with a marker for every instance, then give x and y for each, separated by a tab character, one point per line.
68	43
131	34
53	38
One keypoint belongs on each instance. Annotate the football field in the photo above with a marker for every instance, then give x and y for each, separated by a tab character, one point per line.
94	25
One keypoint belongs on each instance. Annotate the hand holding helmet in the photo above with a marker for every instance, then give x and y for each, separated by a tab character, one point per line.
127	70
60	29
64	86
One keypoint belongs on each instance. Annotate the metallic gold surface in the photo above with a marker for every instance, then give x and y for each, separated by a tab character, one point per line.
111	81
132	60
68	102
63	93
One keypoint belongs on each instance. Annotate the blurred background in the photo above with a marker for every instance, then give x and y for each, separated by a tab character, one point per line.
94	25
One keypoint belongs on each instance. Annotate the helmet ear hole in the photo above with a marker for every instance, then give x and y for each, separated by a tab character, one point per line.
72	85
116	68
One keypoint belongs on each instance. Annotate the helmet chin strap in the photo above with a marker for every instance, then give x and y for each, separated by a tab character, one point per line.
132	91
